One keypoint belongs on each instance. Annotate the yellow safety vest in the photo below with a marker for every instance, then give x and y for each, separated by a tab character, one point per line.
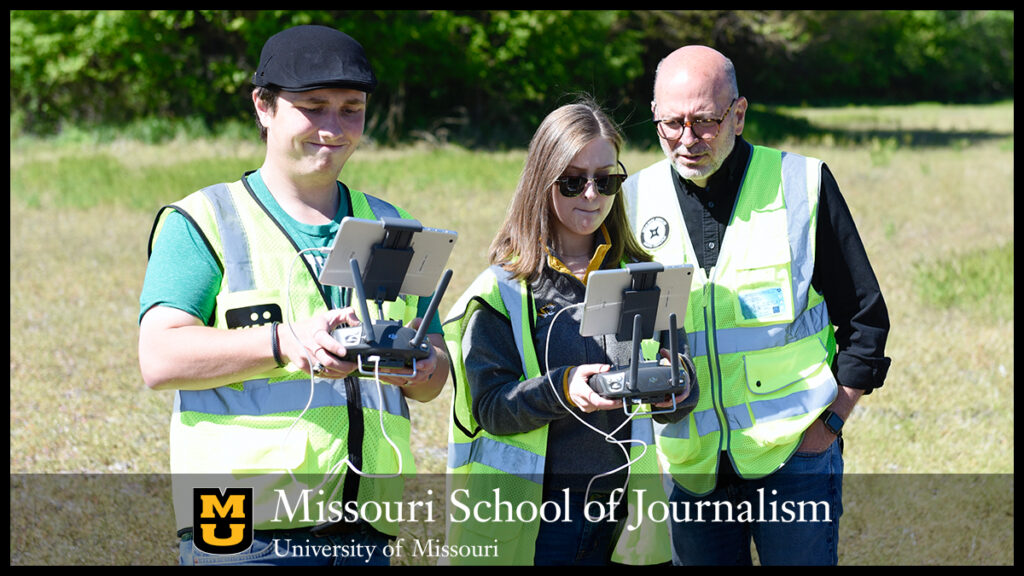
278	430
479	463
759	334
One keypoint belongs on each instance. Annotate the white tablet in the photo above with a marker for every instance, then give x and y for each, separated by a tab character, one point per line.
357	237
603	303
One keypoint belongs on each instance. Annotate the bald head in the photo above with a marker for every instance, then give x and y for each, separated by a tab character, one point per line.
702	68
697	84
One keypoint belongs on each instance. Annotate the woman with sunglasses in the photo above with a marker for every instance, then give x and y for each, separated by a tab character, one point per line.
527	429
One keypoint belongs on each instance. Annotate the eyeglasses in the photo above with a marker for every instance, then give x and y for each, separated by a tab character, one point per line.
607	185
705	128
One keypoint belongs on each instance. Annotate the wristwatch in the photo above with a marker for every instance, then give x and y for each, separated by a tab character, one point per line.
832	421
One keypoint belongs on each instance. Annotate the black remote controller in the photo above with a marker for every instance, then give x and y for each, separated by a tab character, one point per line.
654	383
394	345
386	343
651	382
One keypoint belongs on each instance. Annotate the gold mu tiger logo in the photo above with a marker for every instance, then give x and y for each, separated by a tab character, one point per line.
222	520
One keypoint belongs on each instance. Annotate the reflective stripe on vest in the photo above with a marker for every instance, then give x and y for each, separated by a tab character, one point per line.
233	235
287	396
495	452
765	427
501	456
478	463
254	426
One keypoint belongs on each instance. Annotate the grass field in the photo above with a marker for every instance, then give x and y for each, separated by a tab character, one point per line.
929	457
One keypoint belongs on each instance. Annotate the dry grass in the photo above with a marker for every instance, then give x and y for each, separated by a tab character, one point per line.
946	412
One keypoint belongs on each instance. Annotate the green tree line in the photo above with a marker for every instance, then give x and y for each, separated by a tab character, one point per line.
487	77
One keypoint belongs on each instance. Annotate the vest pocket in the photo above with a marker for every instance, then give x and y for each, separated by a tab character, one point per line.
769	371
680	441
763	296
762	282
488	508
254	451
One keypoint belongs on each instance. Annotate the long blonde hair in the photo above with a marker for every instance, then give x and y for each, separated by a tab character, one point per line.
520	243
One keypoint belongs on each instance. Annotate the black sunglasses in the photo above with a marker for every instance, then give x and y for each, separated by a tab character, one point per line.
607	185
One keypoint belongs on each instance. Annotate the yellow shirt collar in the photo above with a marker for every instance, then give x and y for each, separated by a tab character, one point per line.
595	261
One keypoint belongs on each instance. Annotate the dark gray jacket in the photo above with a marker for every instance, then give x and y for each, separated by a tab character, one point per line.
503	404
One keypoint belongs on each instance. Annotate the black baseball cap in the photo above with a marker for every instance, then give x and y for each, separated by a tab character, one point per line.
309	57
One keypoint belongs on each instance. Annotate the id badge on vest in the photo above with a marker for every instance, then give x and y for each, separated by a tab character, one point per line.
763	296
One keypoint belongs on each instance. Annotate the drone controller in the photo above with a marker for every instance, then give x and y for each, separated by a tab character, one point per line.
653	384
392	347
646	382
387	343
650	382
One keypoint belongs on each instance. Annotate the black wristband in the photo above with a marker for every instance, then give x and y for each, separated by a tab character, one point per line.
275	345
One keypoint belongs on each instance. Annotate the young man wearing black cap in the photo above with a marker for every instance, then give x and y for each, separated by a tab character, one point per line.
276	443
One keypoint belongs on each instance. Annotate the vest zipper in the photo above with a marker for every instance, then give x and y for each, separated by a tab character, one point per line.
714	364
356	431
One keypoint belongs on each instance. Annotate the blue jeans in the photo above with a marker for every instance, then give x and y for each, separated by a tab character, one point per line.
297	548
578	542
792	515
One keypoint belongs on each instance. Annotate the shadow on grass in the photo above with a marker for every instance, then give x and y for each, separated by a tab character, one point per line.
769	126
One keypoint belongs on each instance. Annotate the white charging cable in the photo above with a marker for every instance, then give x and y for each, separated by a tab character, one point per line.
609	436
336	469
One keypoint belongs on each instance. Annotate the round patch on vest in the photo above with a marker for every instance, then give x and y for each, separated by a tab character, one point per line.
654	233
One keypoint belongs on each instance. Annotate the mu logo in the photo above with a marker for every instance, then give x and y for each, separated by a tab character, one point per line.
222	522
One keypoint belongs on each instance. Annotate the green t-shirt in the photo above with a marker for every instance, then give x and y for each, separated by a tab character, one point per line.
183	274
